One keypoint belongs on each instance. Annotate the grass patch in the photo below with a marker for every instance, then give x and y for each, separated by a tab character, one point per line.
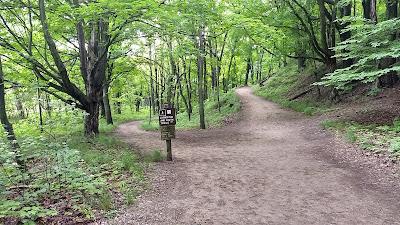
326	124
351	135
372	138
395	146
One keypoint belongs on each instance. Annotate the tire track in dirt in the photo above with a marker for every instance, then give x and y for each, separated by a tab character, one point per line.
272	166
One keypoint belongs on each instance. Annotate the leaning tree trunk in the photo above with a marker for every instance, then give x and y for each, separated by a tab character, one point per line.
228	76
6	123
186	76
179	83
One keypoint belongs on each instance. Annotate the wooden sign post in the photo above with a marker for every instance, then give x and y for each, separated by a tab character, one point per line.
167	120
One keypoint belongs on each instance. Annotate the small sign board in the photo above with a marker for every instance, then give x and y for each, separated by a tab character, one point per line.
167	132
167	120
167	116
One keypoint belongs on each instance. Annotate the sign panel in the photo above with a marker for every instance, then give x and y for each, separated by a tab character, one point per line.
167	122
167	116
167	132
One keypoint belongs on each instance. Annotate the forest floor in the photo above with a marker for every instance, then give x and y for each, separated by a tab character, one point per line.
271	166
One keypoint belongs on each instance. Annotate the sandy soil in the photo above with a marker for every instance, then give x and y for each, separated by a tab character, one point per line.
273	166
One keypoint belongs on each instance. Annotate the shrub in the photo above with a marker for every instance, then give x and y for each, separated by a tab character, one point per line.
55	176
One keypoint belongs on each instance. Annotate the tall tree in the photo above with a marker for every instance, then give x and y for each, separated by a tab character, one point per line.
200	75
8	128
391	78
94	37
369	9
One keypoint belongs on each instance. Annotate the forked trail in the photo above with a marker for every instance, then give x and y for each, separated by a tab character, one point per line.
273	166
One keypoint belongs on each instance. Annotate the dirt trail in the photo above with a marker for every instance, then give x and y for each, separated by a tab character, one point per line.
273	166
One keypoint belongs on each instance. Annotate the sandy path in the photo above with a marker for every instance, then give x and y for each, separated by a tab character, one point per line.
273	166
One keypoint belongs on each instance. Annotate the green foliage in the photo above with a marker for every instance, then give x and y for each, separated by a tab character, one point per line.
65	172
54	172
369	46
149	41
280	85
326	124
351	135
396	125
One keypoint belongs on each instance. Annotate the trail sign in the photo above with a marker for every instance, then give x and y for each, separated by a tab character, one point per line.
167	132
167	116
167	120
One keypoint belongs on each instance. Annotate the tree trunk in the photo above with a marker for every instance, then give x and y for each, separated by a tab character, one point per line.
174	73
326	34
6	123
205	89
102	109
248	68
228	76
301	62
98	55
157	91
345	11
137	105
162	83
106	104
39	101
213	58
18	104
152	88
200	73
392	9
181	90
390	79
118	104
260	66
48	105
92	119
369	9
188	81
